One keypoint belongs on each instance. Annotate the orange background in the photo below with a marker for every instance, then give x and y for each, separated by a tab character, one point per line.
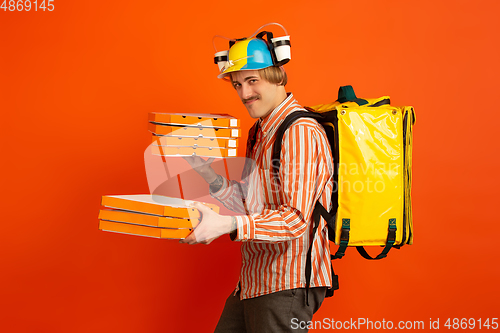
78	83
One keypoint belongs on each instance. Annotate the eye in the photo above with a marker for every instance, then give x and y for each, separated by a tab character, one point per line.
236	85
253	80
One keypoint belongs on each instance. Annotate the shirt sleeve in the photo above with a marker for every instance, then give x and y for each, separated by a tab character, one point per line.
231	195
306	170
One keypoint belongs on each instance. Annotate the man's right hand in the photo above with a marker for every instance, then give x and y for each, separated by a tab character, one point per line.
202	167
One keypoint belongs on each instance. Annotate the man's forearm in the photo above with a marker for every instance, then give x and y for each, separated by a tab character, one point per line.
216	185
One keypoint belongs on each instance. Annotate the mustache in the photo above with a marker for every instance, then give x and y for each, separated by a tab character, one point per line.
245	100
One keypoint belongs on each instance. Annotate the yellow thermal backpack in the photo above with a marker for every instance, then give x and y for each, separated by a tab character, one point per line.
371	143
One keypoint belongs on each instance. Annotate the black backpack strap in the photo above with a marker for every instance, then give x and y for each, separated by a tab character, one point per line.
329	216
281	132
385	101
252	137
335	284
391	238
316	218
344	241
319	210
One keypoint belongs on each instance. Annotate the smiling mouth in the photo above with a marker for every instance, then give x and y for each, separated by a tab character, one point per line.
250	100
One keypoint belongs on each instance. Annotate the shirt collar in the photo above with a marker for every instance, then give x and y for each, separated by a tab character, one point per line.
271	121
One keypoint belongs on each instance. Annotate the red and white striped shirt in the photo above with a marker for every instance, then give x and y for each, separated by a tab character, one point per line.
276	231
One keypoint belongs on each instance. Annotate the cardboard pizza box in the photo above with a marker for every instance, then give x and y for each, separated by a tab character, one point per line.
114	215
165	140
193	151
155	205
140	230
194	131
198	119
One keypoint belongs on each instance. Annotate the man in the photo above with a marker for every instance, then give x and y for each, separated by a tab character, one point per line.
275	225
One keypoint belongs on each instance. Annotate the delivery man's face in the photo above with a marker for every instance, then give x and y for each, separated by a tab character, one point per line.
258	95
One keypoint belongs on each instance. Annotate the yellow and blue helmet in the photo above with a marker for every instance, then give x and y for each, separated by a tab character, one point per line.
248	54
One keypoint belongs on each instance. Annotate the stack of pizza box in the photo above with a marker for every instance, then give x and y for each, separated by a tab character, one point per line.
206	135
173	134
149	215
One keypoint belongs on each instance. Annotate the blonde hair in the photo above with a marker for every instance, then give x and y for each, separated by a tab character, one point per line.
275	75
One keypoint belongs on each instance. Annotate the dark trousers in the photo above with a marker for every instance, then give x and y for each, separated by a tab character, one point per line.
273	313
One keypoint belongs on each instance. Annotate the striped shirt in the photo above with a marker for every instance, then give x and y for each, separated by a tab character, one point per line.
276	227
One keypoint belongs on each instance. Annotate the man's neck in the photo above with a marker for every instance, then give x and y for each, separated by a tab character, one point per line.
281	96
